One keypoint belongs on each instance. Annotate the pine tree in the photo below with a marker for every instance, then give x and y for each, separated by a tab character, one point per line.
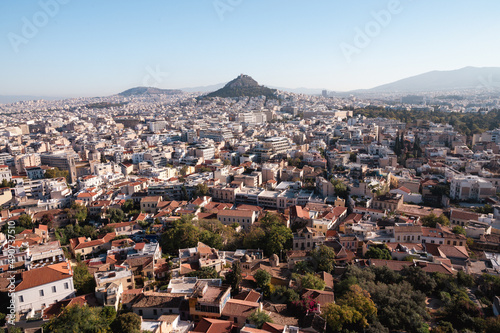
397	146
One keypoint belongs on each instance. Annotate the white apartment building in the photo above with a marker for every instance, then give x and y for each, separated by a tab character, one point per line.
471	188
5	173
43	286
277	144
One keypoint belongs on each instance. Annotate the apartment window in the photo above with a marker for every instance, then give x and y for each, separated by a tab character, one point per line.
41	292
21	299
54	289
66	285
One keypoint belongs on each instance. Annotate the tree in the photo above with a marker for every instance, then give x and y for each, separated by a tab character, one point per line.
47	219
378	252
204	273
418	279
25	221
78	212
201	190
227	162
309	281
397	146
459	230
303	267
254	238
258	318
116	215
353	311
234	277
128	206
432	220
360	300
277	236
262	277
340	188
84	281
283	294
56	173
128	322
78	318
182	235
184	170
417	150
462	313
399	306
323	258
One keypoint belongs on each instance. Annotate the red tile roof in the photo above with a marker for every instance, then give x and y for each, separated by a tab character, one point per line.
40	276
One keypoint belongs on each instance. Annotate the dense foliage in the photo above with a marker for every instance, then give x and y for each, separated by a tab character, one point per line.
271	235
185	233
465	123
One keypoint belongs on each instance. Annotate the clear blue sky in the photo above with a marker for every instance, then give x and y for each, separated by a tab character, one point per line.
97	48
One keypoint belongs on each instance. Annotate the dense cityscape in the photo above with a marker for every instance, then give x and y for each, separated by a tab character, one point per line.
231	166
180	212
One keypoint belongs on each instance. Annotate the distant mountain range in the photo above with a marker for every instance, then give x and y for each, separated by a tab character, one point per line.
480	78
138	91
243	85
468	78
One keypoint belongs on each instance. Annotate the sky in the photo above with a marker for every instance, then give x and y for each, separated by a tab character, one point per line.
73	48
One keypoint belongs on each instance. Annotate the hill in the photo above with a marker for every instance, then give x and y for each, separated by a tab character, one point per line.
138	91
481	78
243	85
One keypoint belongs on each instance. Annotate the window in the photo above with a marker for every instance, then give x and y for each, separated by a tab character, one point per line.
140	313
155	312
54	289
41	292
21	299
66	285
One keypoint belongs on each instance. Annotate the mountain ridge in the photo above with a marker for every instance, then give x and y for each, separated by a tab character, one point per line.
138	91
466	78
243	85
